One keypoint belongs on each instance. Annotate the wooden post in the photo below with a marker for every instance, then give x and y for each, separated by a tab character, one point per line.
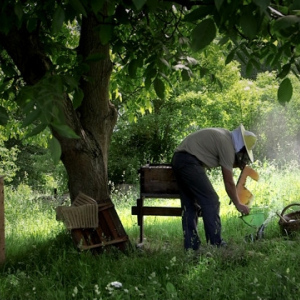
2	227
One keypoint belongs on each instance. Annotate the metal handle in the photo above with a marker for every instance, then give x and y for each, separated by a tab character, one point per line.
290	205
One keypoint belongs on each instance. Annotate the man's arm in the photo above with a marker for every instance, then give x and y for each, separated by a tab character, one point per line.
232	193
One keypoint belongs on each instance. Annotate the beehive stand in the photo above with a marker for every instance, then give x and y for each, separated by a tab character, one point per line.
156	181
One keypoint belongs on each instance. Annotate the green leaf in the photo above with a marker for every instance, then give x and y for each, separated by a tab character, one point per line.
132	67
263	4
285	25
163	63
5	25
171	289
71	82
241	56
199	13
180	67
224	40
269	59
167	78
186	75
191	61
58	19
31	117
230	57
203	34
8	69
36	130
111	7
105	33
65	130
295	5
159	88
218	4
139	3
97	5
24	100
249	68
55	149
285	71
256	64
63	60
3	116
78	7
148	82
248	23
78	97
286	22
203	71
18	10
149	74
32	24
285	91
277	57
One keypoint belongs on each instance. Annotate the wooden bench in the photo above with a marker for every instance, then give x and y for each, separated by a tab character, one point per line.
156	181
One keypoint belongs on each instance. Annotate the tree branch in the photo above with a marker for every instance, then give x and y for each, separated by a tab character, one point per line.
27	53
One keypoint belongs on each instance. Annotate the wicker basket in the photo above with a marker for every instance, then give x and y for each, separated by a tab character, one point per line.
289	223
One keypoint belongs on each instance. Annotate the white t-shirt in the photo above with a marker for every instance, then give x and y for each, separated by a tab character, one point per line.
213	146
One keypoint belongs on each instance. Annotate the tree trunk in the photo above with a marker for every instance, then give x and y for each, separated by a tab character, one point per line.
85	159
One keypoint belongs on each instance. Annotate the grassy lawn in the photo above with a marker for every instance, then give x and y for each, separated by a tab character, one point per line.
41	262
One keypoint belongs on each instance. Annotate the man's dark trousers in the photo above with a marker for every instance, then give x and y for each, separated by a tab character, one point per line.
196	190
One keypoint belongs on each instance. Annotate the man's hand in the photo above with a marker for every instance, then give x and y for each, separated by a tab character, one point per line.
244	209
232	193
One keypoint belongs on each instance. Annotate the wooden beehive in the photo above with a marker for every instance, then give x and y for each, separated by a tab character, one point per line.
158	181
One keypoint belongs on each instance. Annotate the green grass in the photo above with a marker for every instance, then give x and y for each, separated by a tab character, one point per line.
41	262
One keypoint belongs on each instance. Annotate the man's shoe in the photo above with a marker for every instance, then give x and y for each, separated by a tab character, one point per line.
223	244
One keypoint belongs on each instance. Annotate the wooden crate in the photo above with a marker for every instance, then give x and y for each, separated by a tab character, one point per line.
108	233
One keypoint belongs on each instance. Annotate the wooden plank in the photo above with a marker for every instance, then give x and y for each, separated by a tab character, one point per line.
2	225
106	243
160	195
140	217
157	211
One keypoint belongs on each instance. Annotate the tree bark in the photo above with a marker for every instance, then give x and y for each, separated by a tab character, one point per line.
85	159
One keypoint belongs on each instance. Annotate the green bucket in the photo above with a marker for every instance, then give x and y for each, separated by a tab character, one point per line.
256	217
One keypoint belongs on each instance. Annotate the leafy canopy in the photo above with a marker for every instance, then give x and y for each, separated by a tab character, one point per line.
150	44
